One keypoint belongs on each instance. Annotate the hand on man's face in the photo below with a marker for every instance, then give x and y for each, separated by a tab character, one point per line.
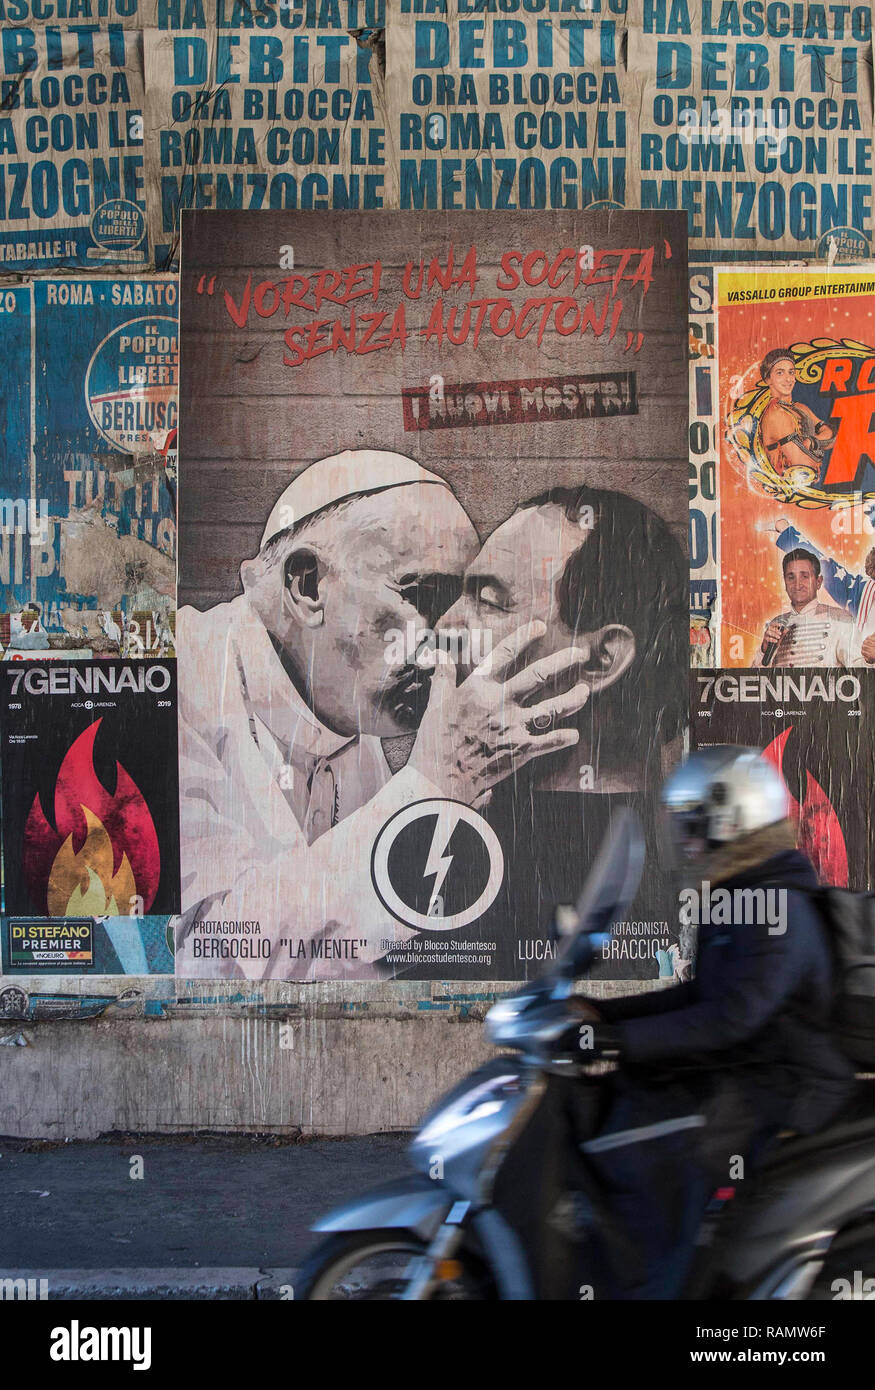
475	734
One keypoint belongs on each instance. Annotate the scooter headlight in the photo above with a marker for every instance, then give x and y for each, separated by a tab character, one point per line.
477	1104
504	1012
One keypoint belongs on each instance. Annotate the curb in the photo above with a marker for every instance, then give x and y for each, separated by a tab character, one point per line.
146	1284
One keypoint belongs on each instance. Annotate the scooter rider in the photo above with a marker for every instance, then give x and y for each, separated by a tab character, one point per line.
712	1070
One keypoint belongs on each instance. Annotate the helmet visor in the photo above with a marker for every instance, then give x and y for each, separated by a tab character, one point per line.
684	837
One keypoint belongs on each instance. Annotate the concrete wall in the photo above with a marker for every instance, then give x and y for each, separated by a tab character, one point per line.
372	1061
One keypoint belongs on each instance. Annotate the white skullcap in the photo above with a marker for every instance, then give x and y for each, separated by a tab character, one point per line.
339	477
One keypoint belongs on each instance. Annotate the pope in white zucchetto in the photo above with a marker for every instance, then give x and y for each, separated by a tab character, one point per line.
286	692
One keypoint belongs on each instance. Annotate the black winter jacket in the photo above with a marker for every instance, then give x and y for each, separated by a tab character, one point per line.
760	1004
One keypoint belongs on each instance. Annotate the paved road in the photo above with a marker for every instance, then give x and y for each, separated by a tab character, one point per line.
202	1202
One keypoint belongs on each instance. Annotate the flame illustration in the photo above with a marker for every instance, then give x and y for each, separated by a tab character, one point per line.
820	832
104	849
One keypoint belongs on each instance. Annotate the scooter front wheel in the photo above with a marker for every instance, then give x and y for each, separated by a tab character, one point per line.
377	1266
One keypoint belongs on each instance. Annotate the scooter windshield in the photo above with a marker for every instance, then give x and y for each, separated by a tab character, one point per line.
608	892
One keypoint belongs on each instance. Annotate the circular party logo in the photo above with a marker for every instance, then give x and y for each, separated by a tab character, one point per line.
131	384
118	225
845	244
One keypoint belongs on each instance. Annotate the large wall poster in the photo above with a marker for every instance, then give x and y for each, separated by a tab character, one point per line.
756	120
89	561
816	730
72	124
797	466
442	438
90	827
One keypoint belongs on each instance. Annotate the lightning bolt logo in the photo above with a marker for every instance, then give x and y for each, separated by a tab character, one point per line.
440	819
438	861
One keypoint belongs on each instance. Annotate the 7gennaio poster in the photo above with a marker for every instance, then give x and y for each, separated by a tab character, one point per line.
90	826
816	729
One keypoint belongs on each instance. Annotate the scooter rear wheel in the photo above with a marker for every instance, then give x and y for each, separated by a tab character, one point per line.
373	1266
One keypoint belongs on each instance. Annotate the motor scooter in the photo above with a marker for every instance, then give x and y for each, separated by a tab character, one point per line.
501	1204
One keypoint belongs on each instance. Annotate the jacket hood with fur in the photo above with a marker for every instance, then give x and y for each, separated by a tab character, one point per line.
745	855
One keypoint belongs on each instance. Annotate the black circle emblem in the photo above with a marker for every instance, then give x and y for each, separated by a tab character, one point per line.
437	865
